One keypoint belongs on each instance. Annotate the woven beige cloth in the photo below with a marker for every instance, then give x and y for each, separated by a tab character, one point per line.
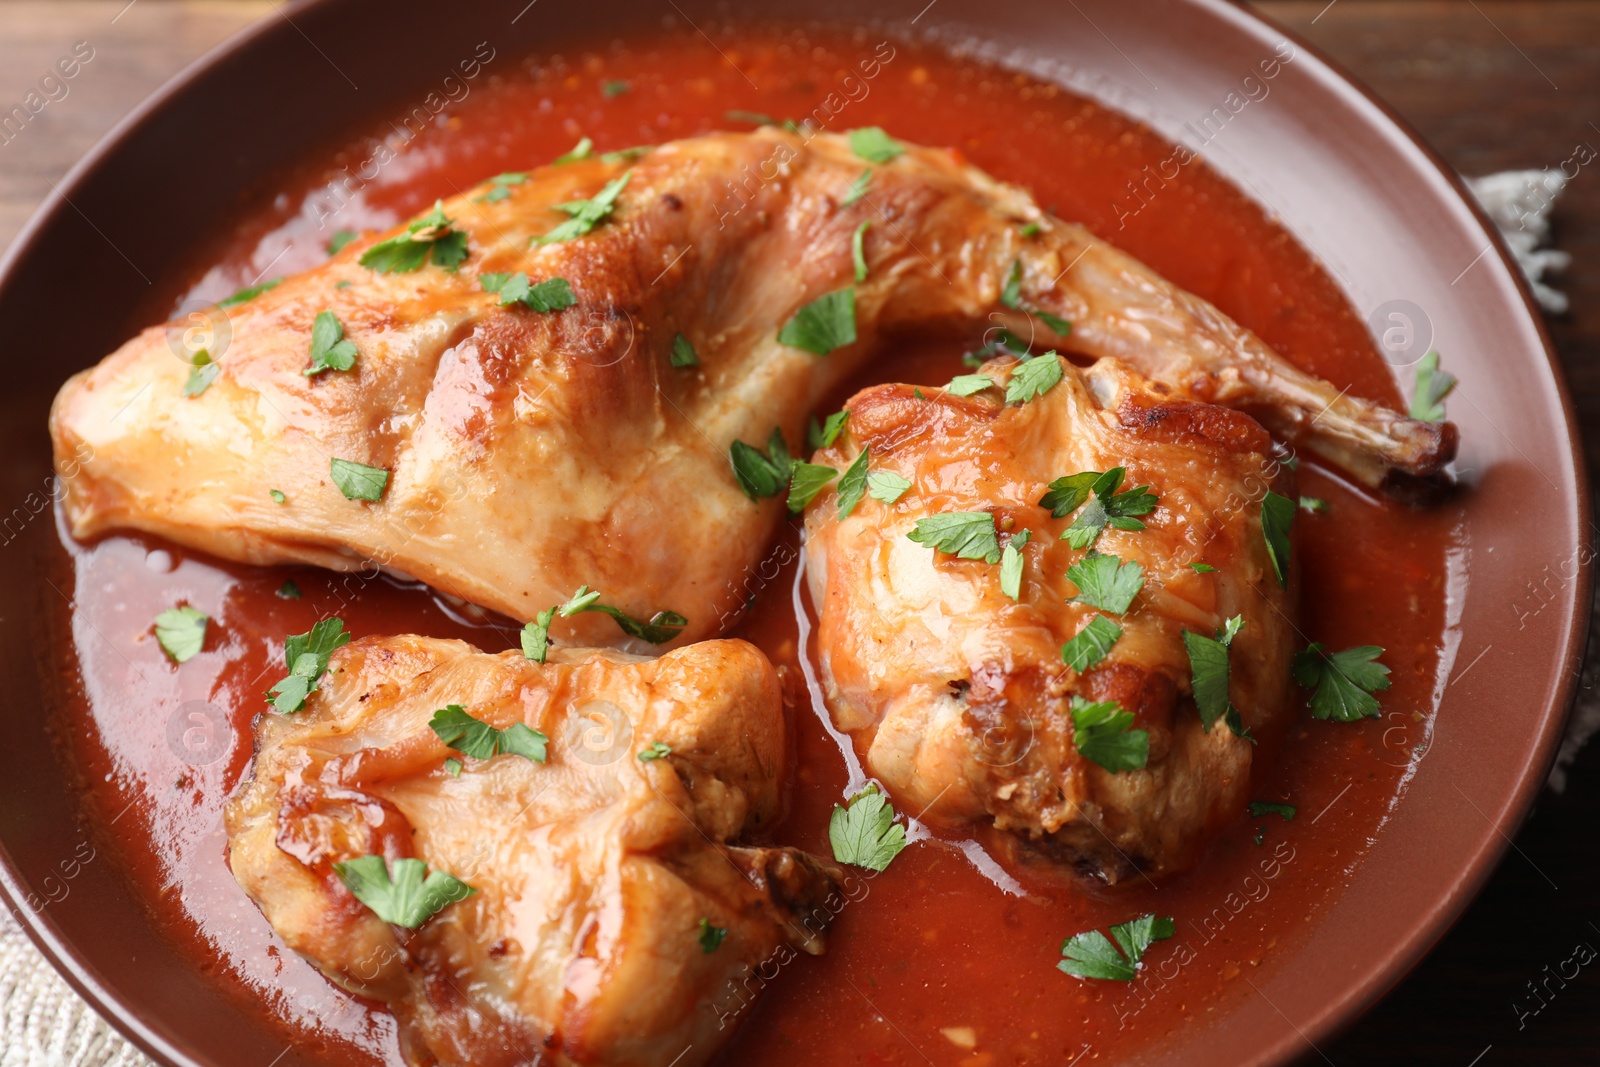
45	1024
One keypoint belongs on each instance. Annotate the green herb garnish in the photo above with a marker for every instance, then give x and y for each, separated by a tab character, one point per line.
963	534
357	481
683	353
875	146
710	937
429	236
864	832
1105	582
1277	515
656	750
1433	385
473	737
1209	675
552	294
586	214
1033	377
400	894
1102	733
249	292
852	484
761	474
886	486
1090	955
307	658
806	480
181	632
1342	682
968	384
1090	644
827	323
330	349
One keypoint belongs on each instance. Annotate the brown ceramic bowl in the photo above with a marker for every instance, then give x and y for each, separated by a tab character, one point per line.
1355	186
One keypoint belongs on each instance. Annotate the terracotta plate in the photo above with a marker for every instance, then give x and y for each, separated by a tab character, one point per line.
1355	187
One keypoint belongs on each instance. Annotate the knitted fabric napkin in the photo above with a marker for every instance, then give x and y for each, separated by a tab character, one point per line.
43	1023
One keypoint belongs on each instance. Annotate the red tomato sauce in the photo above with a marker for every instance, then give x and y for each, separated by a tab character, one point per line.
934	962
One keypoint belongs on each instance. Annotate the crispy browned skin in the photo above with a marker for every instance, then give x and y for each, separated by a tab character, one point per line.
593	870
957	695
535	452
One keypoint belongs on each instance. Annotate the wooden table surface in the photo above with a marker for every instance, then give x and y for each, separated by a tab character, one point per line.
1493	85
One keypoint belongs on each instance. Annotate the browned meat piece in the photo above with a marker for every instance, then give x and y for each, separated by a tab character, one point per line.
957	694
601	878
530	451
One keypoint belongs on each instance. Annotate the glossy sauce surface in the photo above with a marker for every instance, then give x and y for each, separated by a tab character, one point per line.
946	958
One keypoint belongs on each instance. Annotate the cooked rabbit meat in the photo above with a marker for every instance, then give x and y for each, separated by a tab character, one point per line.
597	874
531	451
957	695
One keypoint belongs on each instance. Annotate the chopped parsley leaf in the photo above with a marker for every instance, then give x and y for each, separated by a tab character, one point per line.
1109	508
277	496
430	235
473	737
1342	682
330	348
307	657
203	370
1031	229
886	486
249	292
501	186
1102	733
825	433
1271	807
806	480
661	627
1202	568
1011	565
399	894
875	146
452	767
827	323
852	484
626	155
536	636
683	353
552	294
1277	515
1011	291
614	87
582	150
1065	495
586	214
710	936
761	474
858	250
1090	644
656	750
339	240
1090	954
1033	377
357	481
1105	582
1433	385
289	590
1313	504
968	384
963	534
864	832
858	188
1208	675
1011	297
181	632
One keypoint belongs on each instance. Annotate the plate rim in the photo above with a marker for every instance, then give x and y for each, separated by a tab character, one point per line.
1360	993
